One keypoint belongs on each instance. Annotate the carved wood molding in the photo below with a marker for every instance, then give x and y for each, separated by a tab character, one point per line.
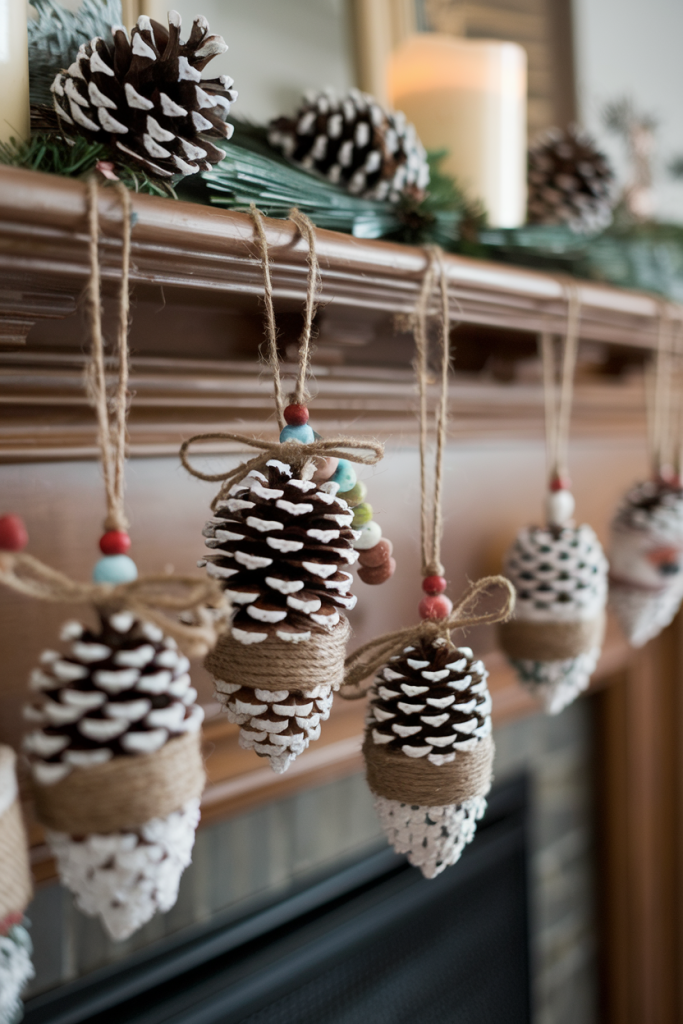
208	251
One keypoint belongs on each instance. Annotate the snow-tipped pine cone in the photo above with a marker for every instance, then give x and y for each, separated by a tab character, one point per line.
120	691
431	701
281	547
354	142
555	637
145	98
570	181
646	559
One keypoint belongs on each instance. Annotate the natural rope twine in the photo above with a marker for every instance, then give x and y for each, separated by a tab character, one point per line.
414	780
147	598
269	665
125	792
551	641
15	874
558	402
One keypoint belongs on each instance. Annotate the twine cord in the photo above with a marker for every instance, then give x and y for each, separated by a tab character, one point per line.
364	662
148	598
558	402
294	453
663	400
300	394
430	505
111	423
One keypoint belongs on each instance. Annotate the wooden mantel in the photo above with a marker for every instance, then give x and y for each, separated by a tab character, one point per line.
196	329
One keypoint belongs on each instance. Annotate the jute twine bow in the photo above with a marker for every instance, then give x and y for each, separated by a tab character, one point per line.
364	662
294	453
150	597
558	401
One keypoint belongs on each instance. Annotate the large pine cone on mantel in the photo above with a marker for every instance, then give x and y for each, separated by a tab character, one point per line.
145	97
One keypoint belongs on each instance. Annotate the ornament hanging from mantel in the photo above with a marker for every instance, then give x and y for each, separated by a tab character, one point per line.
114	744
288	525
559	570
646	536
16	968
428	747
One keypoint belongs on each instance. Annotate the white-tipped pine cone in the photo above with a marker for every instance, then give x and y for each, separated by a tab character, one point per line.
354	142
570	181
646	559
555	637
281	546
15	892
116	766
145	97
428	751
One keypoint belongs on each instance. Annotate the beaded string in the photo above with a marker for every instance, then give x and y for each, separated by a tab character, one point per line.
435	604
558	406
115	566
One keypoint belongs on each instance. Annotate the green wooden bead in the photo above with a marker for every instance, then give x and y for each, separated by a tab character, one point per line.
362	514
355	495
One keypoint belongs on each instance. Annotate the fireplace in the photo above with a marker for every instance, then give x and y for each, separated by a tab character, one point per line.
373	941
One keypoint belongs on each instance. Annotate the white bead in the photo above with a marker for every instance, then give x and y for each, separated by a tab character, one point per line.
559	507
370	534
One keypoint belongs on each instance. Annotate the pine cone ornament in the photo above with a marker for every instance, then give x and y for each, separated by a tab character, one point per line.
15	893
555	637
116	765
570	182
646	559
352	141
145	97
428	751
281	547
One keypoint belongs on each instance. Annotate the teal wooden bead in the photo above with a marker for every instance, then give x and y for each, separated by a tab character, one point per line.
115	569
362	514
370	534
345	475
304	434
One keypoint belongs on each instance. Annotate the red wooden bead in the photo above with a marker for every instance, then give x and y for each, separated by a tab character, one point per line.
13	535
560	483
374	557
114	542
435	606
434	584
373	575
296	415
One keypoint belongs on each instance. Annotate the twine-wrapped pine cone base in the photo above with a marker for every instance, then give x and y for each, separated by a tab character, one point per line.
555	638
116	765
145	97
281	546
428	751
646	559
16	968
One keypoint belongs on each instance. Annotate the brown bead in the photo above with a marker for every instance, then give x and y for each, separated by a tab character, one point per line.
374	557
377	574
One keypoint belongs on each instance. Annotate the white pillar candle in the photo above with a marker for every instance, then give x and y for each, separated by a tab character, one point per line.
468	96
157	9
15	117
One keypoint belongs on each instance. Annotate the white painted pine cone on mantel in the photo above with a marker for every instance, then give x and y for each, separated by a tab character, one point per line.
116	703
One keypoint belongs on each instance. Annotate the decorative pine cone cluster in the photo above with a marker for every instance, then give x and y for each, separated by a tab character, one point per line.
279	545
354	142
121	691
570	182
431	701
559	573
144	97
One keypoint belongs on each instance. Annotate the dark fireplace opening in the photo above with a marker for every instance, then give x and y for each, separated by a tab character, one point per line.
373	942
